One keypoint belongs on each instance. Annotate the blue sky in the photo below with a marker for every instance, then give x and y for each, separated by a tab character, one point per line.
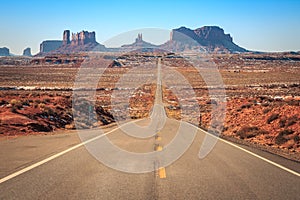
255	25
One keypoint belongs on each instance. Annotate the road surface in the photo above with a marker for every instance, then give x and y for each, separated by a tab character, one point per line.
60	167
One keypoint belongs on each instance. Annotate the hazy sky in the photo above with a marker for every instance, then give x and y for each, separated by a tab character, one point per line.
255	25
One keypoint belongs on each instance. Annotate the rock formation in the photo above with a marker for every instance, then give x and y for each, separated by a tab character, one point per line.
83	37
27	52
66	37
209	38
139	38
82	41
138	44
4	51
50	45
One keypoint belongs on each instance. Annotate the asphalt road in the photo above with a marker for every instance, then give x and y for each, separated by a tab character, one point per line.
226	173
60	167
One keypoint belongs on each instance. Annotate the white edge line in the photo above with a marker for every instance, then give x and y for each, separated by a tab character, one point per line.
262	158
251	153
6	178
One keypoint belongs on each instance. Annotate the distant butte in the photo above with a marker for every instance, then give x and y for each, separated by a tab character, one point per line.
82	41
139	43
27	52
210	39
4	51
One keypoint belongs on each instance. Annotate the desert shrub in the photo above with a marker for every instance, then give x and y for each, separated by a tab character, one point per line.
282	122
263	132
40	127
248	105
271	100
273	117
37	101
290	123
248	132
297	138
286	132
268	137
294	85
293	102
211	101
47	100
265	111
13	102
49	111
3	102
26	103
261	98
280	103
13	109
280	139
238	110
41	105
292	120
16	104
58	107
225	128
271	86
265	104
254	101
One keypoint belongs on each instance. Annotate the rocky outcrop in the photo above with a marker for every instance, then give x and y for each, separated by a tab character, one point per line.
82	41
83	37
4	51
50	45
66	37
27	52
139	38
208	38
138	44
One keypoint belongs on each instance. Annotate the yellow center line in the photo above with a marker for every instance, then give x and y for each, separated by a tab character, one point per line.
158	138
159	148
162	172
